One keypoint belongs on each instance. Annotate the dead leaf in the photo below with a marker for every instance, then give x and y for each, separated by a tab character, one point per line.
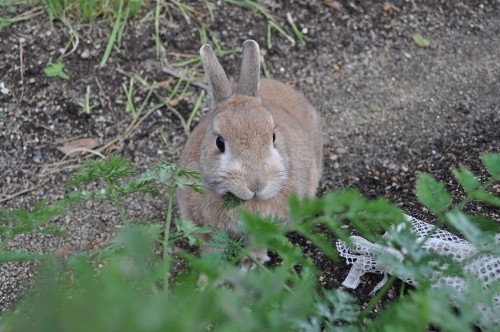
65	250
174	102
336	5
114	148
198	13
167	83
389	8
76	146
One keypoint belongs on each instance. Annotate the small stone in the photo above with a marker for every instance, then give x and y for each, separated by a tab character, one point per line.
85	54
32	80
336	67
3	89
37	156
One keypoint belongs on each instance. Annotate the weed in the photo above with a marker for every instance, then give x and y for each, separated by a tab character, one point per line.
129	92
173	178
420	41
159	48
11	7
125	294
56	70
271	22
87	105
177	93
298	34
110	172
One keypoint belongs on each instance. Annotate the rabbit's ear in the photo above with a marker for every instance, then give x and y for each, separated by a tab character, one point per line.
219	84
248	83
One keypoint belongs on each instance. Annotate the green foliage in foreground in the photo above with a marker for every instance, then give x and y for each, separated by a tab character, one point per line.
124	287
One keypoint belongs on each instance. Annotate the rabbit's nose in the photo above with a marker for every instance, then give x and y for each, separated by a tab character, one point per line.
256	184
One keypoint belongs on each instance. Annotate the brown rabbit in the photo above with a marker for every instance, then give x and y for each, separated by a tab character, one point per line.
262	143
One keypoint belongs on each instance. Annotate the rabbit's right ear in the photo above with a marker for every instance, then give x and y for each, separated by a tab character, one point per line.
248	83
217	79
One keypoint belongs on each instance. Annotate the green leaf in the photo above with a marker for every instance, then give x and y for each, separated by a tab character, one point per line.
230	201
420	40
110	169
485	197
462	223
486	224
188	230
492	163
466	178
432	194
56	70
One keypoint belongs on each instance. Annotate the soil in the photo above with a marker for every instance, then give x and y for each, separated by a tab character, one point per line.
391	109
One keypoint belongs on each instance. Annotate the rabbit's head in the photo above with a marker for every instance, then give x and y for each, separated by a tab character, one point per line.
242	151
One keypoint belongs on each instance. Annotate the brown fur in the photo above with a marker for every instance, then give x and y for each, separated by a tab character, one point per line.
247	123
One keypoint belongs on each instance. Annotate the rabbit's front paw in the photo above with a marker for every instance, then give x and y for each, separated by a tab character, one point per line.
259	255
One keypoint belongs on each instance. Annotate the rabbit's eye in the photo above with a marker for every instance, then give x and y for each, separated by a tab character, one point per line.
220	144
274	137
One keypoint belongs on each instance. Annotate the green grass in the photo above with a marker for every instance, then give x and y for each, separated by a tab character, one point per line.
272	24
87	105
13	14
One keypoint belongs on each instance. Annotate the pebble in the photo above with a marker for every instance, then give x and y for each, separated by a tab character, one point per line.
37	156
85	54
3	88
334	157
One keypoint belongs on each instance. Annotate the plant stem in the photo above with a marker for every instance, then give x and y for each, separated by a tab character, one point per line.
261	266
166	261
121	211
376	298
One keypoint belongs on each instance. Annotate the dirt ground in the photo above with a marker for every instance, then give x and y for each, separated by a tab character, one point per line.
391	109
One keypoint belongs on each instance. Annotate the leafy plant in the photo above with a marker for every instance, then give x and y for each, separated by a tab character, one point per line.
110	171
13	15
129	289
56	70
87	105
173	177
420	40
20	222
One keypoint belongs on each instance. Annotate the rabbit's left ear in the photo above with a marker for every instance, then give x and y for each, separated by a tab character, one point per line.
248	83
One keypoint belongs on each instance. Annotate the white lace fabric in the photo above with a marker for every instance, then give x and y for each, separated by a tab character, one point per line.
363	256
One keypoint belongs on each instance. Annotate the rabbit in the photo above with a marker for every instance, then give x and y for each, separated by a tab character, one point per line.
262	142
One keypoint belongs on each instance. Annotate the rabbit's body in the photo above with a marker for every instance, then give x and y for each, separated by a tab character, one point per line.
261	144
